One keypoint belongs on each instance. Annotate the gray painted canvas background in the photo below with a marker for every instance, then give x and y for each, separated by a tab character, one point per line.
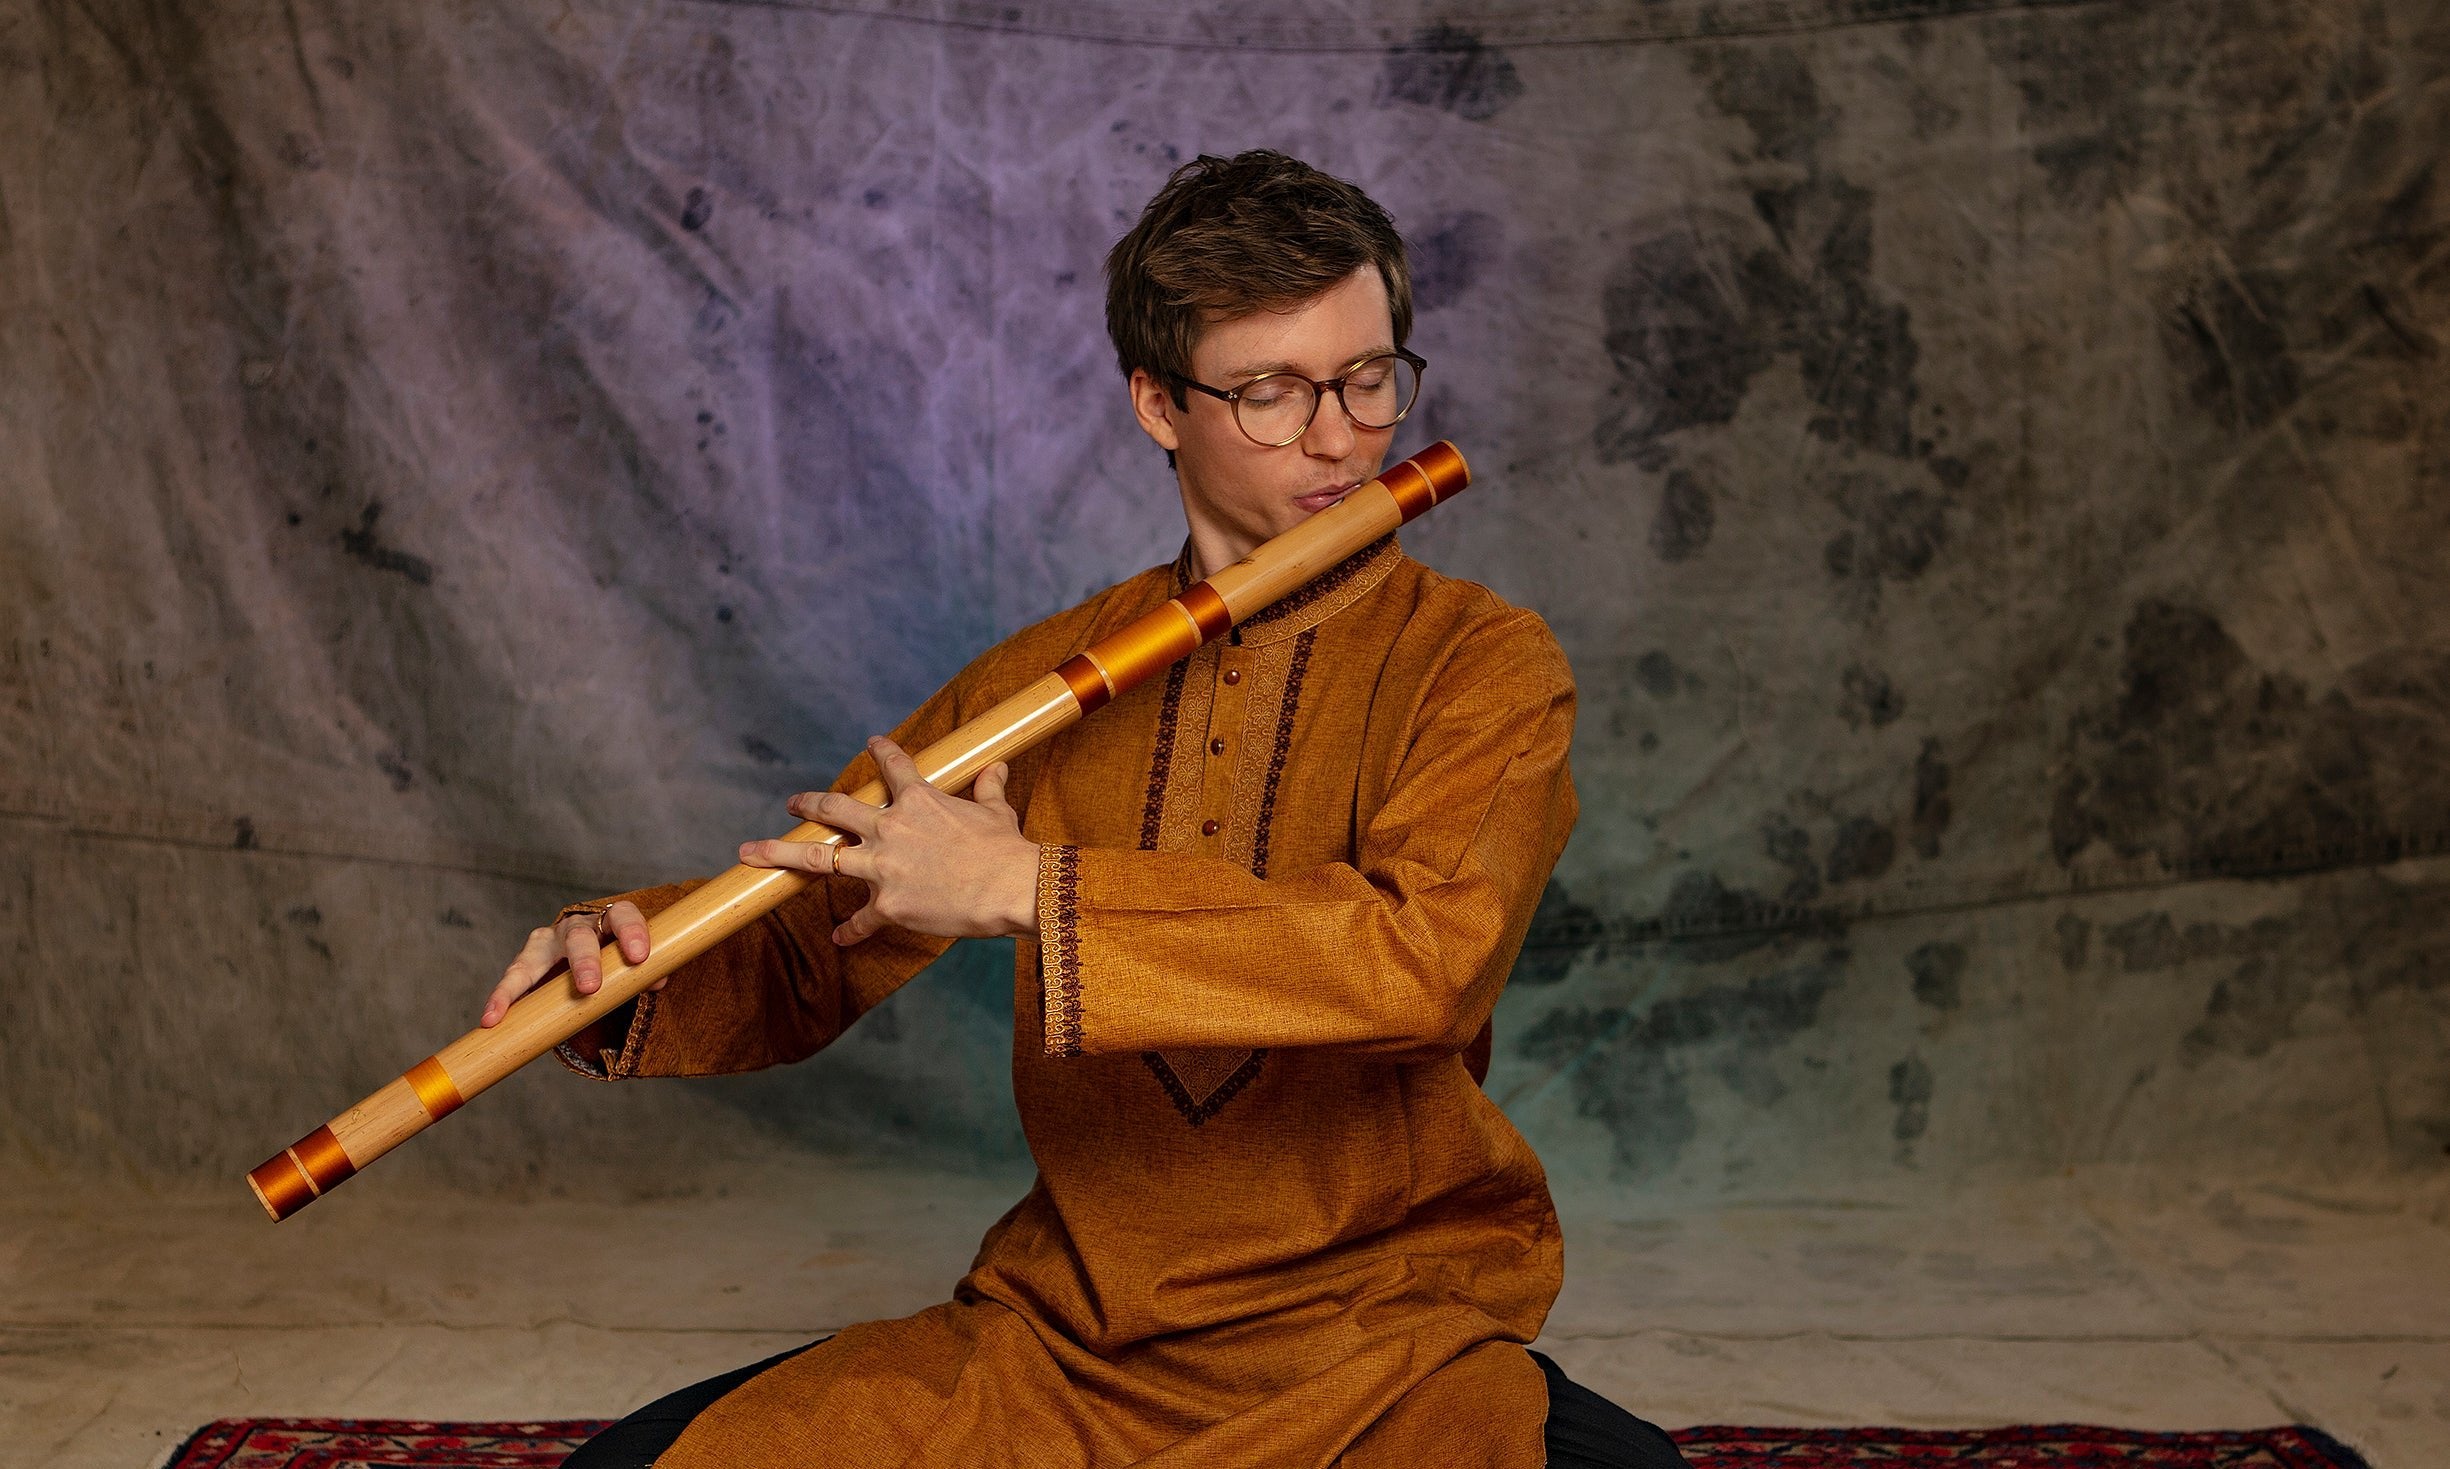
1986	463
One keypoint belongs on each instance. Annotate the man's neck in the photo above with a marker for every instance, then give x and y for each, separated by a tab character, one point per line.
1213	548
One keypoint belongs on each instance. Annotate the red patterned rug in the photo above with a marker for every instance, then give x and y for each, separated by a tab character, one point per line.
2050	1446
346	1443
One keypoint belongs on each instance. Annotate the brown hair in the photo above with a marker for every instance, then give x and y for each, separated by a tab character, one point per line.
1227	237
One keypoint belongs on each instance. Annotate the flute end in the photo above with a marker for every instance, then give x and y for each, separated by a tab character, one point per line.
301	1173
1446	467
1431	477
280	1185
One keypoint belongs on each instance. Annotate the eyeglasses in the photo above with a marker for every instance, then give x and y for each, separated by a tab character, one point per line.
1274	410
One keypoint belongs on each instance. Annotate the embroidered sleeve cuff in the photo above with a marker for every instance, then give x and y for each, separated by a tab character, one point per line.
591	1067
1059	947
608	1049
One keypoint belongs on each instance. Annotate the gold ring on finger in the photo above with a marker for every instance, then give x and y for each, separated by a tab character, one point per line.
598	915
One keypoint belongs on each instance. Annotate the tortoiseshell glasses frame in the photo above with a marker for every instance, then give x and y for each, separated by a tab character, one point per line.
1266	405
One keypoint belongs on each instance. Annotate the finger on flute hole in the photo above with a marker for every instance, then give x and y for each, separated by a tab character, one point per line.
497	1004
630	927
515	981
774	853
586	971
900	771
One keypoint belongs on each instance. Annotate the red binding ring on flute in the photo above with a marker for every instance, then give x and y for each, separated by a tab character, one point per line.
1208	611
326	1162
1430	476
1086	681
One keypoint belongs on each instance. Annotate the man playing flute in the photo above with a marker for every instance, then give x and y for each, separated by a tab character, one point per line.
1264	906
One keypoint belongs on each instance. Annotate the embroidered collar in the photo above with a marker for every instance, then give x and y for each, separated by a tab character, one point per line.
1306	606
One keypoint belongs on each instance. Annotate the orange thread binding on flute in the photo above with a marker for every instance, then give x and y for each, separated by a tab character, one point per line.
1087	683
435	1089
1139	648
326	1162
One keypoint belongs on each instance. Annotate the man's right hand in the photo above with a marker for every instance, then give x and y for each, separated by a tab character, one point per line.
572	942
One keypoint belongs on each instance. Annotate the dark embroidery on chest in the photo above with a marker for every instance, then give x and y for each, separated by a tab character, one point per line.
1324	586
1282	748
1169	715
1197	1112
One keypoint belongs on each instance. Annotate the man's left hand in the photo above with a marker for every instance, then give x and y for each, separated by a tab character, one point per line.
934	863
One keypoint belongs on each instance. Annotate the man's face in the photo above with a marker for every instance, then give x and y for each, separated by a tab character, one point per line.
1237	493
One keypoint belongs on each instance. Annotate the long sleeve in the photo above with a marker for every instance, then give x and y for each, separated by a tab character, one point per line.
780	989
1401	951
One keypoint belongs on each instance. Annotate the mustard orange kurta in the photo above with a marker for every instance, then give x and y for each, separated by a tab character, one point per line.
1276	1221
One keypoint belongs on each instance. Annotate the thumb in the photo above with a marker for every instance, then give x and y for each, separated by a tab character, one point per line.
989	789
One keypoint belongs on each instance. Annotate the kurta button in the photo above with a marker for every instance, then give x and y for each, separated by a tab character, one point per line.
1207	828
1233	675
1216	747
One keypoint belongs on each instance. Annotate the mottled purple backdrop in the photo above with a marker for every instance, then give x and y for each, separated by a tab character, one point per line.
1986	461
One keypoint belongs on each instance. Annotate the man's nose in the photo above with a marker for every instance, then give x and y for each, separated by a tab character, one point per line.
1331	432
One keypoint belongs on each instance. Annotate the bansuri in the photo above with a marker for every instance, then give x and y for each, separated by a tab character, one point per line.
552	1013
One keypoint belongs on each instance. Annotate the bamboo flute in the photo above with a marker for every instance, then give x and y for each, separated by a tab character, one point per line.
554	1011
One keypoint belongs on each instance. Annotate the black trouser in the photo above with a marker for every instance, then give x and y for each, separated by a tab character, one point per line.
1585	1430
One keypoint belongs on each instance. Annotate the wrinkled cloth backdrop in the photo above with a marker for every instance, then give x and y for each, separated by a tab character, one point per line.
1986	463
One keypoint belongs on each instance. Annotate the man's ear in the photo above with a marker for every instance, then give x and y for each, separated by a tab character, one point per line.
1154	406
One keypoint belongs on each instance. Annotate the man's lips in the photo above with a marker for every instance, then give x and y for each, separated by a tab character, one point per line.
1318	500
